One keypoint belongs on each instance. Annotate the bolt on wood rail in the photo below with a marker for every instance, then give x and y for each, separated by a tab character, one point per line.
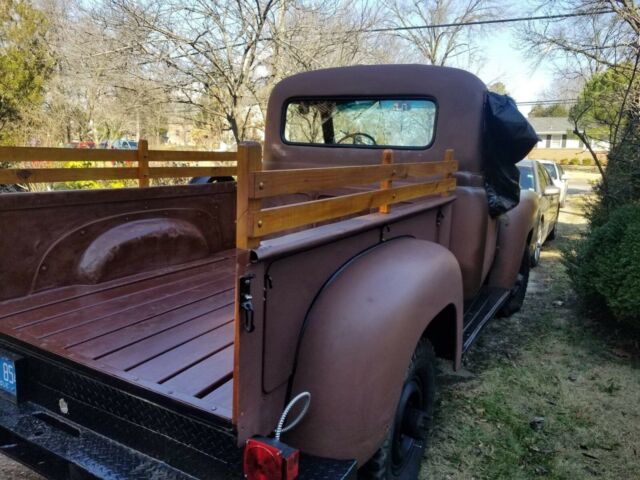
254	184
142	156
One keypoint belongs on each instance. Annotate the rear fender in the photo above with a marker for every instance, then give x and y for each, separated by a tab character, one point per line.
514	230
359	339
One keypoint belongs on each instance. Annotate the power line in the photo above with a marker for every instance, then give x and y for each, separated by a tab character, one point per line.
562	101
419	27
482	22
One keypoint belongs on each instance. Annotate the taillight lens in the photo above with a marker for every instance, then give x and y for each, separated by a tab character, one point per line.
267	459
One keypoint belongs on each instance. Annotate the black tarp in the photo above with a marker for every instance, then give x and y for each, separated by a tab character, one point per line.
508	138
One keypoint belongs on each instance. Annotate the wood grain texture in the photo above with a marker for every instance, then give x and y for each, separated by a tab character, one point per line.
249	161
40	154
282	182
278	219
387	159
175	325
46	175
143	163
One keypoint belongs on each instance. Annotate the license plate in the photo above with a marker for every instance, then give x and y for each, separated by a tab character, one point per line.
8	379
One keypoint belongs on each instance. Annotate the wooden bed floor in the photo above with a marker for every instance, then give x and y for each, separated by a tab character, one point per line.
170	330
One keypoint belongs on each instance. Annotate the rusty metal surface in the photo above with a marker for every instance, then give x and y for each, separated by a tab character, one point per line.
53	239
301	263
352	408
459	96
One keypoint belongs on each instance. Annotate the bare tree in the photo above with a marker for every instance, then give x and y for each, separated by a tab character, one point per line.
454	44
604	37
211	49
223	57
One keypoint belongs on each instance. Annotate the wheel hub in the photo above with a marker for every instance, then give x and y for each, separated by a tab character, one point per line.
411	425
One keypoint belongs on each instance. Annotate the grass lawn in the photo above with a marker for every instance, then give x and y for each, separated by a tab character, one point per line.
546	393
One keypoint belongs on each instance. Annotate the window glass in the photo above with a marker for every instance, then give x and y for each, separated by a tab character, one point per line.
551	170
527	182
543	177
374	123
556	141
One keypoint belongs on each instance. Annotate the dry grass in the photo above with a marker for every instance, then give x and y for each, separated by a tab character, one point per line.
546	361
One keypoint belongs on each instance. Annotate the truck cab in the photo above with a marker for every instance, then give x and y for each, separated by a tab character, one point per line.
182	328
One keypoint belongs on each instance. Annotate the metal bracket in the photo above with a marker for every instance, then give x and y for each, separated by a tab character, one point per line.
439	217
385	229
246	303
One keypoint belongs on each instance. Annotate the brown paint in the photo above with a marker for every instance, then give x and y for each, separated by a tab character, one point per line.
140	283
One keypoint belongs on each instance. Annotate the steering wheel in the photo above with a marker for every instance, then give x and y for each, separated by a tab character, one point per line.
359	138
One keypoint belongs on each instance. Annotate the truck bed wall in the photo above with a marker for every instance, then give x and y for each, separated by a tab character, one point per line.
290	281
51	239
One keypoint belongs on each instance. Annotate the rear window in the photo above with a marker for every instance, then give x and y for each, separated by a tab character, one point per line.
551	170
386	122
527	182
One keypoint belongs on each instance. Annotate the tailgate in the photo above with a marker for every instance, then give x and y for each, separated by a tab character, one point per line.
67	418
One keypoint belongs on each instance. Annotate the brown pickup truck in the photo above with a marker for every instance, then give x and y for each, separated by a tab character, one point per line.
283	325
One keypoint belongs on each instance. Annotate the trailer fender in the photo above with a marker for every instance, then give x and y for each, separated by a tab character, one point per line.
514	230
358	341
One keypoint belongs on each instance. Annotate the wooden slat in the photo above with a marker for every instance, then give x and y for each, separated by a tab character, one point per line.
143	163
40	154
139	352
249	161
213	370
387	159
270	183
183	356
182	156
278	219
218	308
87	323
178	172
221	396
46	175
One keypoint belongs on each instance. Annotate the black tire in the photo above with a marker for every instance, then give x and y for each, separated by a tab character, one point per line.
519	290
536	246
202	180
552	233
402	451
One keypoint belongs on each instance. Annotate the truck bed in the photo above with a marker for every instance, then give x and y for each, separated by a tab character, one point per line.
170	330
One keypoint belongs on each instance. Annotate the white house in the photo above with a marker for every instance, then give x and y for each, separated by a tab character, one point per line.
556	133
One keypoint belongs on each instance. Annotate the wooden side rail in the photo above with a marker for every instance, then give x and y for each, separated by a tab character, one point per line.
255	184
143	157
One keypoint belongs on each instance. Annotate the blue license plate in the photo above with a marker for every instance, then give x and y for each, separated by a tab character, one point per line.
8	381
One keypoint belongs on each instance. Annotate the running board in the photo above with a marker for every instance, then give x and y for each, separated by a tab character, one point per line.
482	309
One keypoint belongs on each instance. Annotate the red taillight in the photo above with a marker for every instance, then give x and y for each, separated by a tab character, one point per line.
267	459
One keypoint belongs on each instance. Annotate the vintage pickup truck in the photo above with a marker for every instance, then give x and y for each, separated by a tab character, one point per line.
283	325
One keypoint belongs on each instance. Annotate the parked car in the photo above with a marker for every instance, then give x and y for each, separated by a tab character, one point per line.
167	332
534	177
558	176
124	145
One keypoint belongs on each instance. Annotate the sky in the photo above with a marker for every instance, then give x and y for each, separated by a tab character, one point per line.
525	79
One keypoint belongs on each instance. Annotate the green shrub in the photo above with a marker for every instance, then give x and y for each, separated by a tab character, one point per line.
574	161
588	162
604	266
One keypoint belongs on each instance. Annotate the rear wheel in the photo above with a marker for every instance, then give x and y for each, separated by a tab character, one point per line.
537	246
552	233
519	290
400	455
